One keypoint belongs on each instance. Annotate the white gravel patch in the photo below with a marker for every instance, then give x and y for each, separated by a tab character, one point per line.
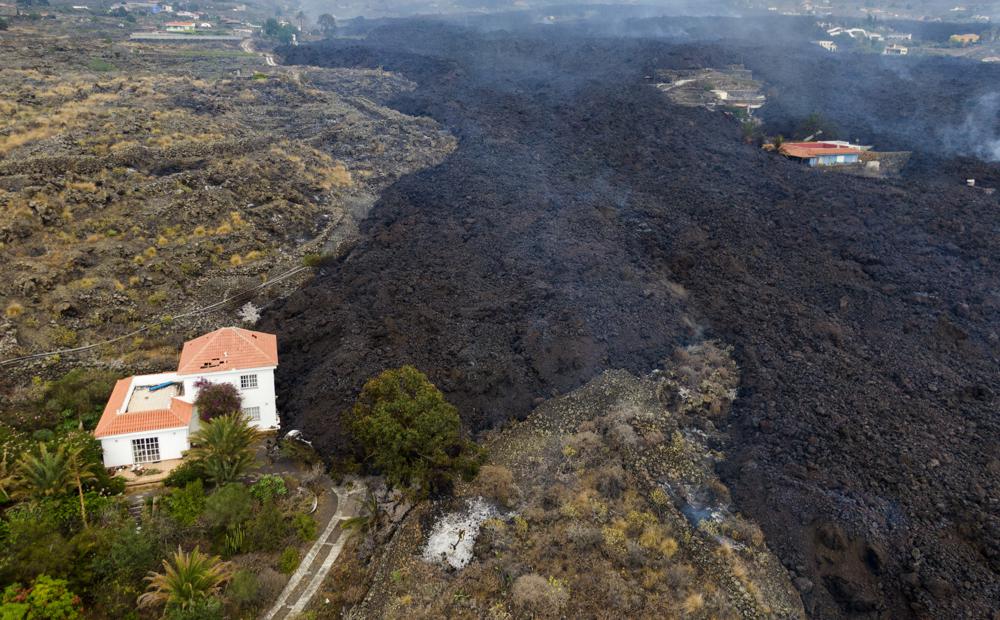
454	535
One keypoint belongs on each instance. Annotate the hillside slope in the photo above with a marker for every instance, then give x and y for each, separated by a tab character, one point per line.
584	223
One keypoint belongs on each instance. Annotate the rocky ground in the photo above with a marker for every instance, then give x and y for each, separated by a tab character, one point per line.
138	182
603	501
585	223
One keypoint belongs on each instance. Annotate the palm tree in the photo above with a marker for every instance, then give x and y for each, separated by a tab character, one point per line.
47	474
80	471
43	474
225	447
190	578
368	517
7	480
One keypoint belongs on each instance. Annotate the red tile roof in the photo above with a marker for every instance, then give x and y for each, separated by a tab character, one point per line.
806	150
229	348
114	423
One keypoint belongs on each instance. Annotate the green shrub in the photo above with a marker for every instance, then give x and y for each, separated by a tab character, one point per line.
305	527
127	555
318	260
208	608
228	506
46	598
99	64
268	529
289	560
244	589
298	452
186	473
269	487
186	505
33	544
235	541
78	397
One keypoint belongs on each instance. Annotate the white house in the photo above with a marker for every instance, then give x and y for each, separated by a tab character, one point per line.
149	418
179	26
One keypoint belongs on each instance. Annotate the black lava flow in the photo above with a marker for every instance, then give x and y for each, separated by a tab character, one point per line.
585	223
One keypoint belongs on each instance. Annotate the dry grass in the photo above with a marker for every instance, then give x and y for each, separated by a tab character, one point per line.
13	310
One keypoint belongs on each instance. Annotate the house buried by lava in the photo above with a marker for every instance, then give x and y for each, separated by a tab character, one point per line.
730	88
842	156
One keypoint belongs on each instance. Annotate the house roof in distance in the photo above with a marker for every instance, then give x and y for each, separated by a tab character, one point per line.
806	150
116	420
229	348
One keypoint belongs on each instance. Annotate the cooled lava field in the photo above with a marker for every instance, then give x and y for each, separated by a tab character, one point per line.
586	223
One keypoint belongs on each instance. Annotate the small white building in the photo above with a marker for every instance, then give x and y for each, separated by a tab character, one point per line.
150	418
179	26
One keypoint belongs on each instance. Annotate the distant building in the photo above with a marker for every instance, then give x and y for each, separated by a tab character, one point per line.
964	39
179	26
204	25
899	36
894	49
821	153
829	46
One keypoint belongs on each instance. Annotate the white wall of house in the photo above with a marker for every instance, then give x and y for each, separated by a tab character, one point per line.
118	448
262	397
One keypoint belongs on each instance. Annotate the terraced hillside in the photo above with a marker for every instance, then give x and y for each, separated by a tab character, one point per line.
138	182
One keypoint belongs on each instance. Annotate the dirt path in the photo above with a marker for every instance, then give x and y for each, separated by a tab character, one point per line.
247	46
317	562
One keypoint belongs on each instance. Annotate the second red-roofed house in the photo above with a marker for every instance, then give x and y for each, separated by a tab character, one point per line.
150	418
822	153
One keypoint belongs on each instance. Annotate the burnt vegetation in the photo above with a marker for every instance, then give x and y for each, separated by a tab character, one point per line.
585	223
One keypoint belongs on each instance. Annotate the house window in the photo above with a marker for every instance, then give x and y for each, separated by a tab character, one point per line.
252	413
146	450
248	382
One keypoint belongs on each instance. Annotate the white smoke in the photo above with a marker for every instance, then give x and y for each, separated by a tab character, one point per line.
979	132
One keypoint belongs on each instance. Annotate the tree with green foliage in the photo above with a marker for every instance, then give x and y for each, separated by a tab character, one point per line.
3	24
224	446
43	473
186	581
411	434
283	33
46	598
216	399
79	397
328	24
